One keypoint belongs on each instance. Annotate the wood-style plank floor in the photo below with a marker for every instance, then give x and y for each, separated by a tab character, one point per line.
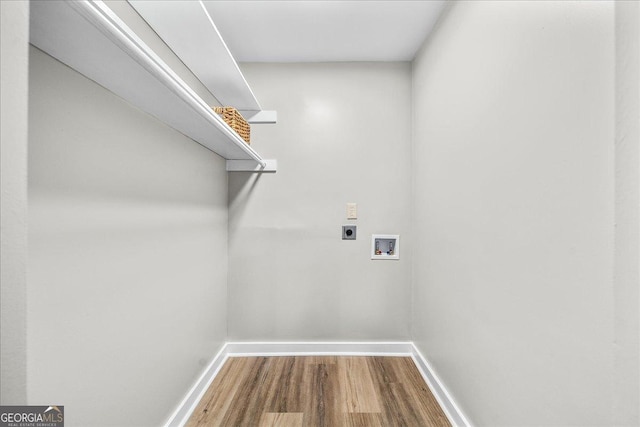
327	391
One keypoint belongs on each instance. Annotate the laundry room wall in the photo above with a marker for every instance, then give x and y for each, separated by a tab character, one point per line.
127	269
626	406
514	214
14	68
343	135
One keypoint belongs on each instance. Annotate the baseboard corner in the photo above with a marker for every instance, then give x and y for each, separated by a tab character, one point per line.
446	401
183	411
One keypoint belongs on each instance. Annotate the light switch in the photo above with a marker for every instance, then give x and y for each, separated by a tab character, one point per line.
352	211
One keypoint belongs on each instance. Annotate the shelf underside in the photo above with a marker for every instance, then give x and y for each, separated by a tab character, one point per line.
91	39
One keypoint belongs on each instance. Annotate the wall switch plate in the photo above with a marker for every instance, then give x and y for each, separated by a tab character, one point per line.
352	211
348	232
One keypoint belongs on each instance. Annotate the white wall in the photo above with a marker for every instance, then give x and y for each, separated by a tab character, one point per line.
127	254
627	215
343	135
14	36
513	189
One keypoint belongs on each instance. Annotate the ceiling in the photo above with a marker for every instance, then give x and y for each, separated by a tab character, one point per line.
324	30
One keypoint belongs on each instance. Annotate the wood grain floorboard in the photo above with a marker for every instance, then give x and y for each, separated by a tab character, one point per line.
385	376
218	398
323	391
356	386
423	399
362	420
321	395
281	419
248	394
288	391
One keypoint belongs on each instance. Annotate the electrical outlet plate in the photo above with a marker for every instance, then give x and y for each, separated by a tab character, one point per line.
385	246
349	232
352	211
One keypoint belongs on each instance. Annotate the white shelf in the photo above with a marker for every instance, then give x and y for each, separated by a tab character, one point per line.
90	38
187	28
204	51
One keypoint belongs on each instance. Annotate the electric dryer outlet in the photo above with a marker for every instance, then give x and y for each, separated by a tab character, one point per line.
349	232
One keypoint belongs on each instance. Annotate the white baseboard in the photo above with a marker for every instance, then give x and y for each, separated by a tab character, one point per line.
184	410
448	405
245	349
303	348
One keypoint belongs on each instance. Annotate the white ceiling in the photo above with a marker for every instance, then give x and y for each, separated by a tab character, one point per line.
325	30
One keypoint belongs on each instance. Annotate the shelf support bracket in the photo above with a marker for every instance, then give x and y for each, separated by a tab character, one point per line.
260	117
271	165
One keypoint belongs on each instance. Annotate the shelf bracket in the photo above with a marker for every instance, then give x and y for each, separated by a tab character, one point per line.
271	165
260	117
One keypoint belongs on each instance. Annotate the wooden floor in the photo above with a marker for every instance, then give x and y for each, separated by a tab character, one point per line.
326	391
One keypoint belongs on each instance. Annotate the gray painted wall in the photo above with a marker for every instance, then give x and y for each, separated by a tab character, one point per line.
513	203
343	135
127	254
14	37
521	283
627	216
